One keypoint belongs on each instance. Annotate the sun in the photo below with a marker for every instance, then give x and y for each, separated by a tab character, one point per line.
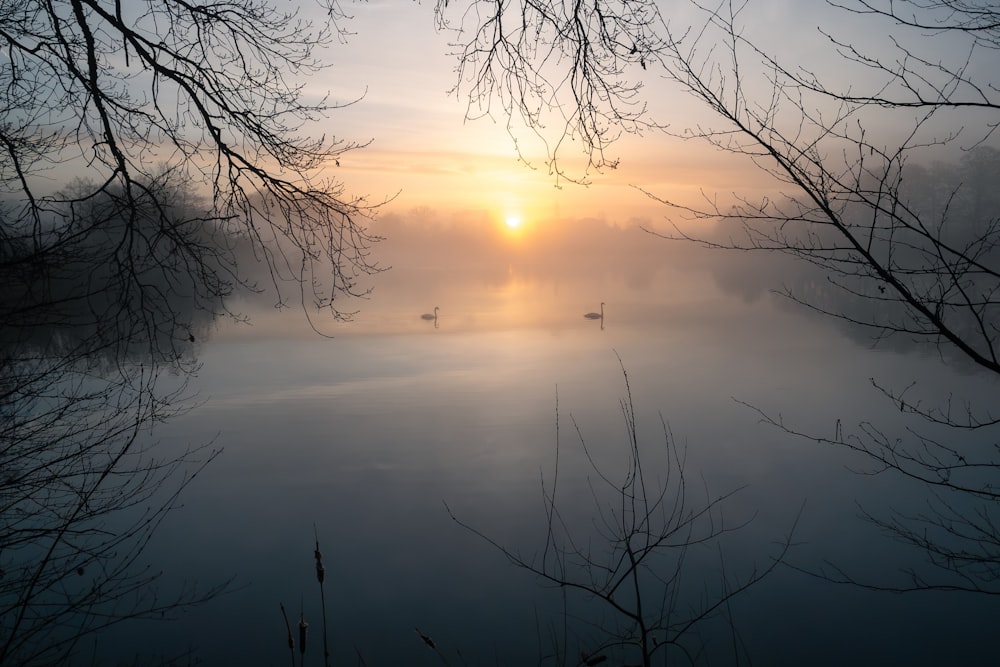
513	221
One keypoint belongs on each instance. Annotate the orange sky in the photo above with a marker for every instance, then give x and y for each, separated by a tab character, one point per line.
453	182
425	154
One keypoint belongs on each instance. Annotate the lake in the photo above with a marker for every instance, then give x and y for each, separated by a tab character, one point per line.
369	433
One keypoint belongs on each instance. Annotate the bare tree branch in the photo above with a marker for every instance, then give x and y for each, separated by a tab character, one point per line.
633	560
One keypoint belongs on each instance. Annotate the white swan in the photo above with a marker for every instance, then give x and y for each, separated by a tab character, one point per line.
596	316
430	316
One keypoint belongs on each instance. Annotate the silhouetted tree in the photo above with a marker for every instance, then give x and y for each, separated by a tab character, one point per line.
141	96
565	72
629	591
84	485
82	491
151	155
901	256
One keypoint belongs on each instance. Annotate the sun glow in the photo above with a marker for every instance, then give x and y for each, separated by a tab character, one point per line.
513	221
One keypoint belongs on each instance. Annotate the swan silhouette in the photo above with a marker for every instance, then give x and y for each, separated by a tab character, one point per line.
596	316
430	316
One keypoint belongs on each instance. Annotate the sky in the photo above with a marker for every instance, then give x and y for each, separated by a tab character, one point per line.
425	154
441	171
393	73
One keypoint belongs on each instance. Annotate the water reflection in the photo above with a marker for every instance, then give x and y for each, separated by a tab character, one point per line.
483	281
366	434
97	339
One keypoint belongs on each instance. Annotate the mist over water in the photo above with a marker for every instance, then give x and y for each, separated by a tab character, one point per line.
215	363
368	433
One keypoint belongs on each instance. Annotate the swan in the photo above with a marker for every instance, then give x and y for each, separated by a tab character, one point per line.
430	316
596	316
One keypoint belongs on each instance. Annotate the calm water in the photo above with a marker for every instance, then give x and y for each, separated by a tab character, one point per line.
367	434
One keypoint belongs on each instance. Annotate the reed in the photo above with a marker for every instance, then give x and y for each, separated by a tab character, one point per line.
303	625
432	645
320	577
303	632
288	629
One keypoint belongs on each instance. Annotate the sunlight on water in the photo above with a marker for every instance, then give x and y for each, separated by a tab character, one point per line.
368	434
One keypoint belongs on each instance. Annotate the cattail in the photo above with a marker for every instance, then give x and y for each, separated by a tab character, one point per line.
427	640
303	630
320	570
320	576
